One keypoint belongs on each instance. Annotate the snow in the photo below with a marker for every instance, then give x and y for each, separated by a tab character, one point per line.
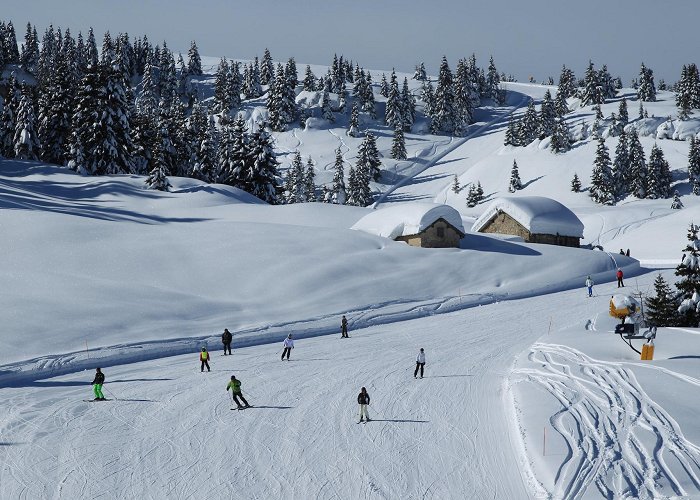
527	393
537	214
407	219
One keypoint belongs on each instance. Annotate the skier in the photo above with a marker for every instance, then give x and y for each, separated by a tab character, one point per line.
619	275
420	363
235	386
589	284
288	346
344	328
97	385
226	339
363	401
204	358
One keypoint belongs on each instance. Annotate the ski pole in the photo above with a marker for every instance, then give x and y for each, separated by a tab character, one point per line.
111	394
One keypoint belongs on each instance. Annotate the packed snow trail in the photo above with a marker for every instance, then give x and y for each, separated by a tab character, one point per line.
620	442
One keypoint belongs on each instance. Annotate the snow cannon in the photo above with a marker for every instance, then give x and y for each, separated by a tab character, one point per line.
624	306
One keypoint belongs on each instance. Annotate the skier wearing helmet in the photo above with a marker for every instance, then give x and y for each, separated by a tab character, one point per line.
204	358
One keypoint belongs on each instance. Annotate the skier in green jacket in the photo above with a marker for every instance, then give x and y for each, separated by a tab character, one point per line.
235	386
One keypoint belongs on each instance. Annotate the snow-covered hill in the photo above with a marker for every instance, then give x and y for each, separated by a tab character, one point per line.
100	271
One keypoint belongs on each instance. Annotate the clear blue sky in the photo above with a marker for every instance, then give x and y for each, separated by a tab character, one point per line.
526	37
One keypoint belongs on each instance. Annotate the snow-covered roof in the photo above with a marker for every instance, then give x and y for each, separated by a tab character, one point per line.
406	219
537	214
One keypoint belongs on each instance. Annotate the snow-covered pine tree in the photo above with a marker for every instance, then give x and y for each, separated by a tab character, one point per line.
29	56
689	283
529	125
408	104
368	103
292	77
326	109
194	62
420	74
658	175
623	115
428	98
475	195
515	182
295	187
661	309
620	169
444	114
11	50
547	115
158	177
338	192
607	84
641	109
240	152
310	181
455	185
560	142
479	192
463	90
267	69
205	167
235	82
601	190
560	105
354	124
368	157
592	90
676	204
309	80
398	145
637	170
694	164
567	83
512	137
8	118
493	82
394	107
576	184
263	166
222	96
26	140
275	101
384	86
688	91
646	91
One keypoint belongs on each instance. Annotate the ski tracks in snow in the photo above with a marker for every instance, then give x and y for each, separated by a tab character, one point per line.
619	441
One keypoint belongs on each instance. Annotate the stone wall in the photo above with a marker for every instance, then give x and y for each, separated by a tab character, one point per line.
503	223
429	238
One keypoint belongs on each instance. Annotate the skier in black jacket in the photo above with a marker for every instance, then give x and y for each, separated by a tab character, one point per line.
97	385
363	401
226	339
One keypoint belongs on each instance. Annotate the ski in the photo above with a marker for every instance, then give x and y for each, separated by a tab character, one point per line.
95	400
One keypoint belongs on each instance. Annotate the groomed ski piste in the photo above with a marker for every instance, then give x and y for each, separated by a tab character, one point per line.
527	393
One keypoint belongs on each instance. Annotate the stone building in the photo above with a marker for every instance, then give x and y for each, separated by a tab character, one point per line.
535	219
427	225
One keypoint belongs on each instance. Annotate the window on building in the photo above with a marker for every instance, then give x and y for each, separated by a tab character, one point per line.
440	232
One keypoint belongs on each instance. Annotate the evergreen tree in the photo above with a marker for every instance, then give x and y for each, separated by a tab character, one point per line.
576	184
26	141
384	86
398	146
309	80
493	83
338	192
455	185
689	283
677	203
263	166
428	98
646	91
368	157
444	114
694	164
658	175
475	195
515	182
205	166
592	90
158	177
607	84
354	125
394	109
688	91
560	106
567	83
8	118
637	167
560	142
408	105
10	46
310	181
267	69
420	73
326	109
194	62
601	177
368	103
222	95
621	175
29	57
547	115
661	309
529	127
295	185
464	96
292	77
512	133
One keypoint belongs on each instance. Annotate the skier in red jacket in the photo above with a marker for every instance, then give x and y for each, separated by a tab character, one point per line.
619	278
